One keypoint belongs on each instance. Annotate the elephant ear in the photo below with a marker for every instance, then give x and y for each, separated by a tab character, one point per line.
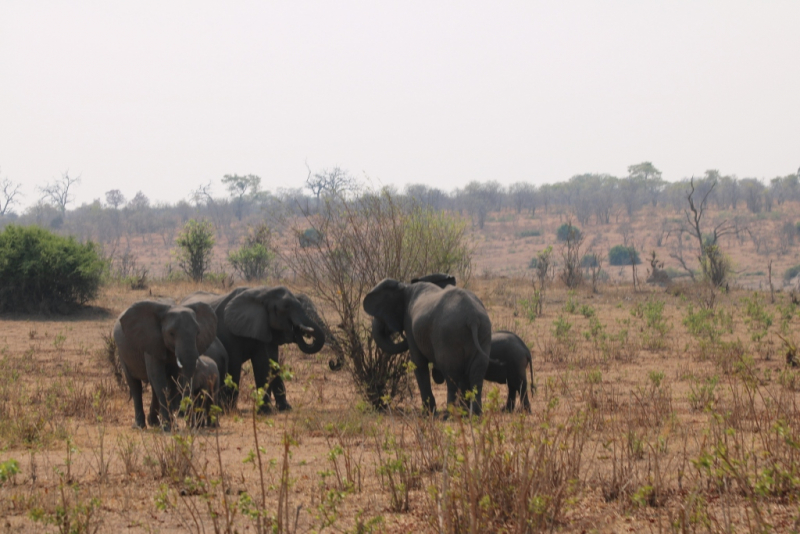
207	320
246	316
141	324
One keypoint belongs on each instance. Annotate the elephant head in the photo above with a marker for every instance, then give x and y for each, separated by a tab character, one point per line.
440	279
386	304
275	316
166	331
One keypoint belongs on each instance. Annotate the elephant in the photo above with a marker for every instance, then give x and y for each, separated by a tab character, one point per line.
440	279
446	327
205	391
160	343
251	324
514	357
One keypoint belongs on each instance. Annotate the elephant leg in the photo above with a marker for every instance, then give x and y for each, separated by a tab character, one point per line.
157	373
423	376
524	396
477	370
135	387
276	385
513	388
261	371
152	416
452	392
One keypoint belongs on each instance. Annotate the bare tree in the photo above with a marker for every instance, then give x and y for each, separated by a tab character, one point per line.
58	192
334	182
713	263
9	191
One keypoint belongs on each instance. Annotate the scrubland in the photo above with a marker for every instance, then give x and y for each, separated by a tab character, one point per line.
656	411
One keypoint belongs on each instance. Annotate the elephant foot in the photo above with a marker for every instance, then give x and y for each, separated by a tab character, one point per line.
284	406
153	422
266	409
138	426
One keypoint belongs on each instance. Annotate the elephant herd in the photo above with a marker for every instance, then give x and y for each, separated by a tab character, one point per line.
187	348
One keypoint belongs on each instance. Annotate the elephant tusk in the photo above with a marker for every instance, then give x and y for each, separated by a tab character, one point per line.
180	366
306	329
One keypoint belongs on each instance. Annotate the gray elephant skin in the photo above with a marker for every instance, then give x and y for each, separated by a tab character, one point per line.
446	327
205	390
514	357
251	324
160	343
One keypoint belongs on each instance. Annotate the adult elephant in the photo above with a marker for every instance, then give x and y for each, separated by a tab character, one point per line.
251	324
446	327
514	357
160	342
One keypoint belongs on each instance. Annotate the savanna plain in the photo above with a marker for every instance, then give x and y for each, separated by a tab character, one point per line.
657	409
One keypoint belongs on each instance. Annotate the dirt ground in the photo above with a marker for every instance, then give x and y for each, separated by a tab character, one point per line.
69	426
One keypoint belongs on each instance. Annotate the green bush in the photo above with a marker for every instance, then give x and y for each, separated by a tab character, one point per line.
196	246
529	233
621	255
41	271
589	260
791	272
567	230
255	256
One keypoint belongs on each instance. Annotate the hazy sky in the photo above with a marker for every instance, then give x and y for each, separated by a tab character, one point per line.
163	96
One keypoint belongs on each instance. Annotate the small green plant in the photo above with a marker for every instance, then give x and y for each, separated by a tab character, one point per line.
196	246
8	470
531	306
655	326
571	306
561	328
757	319
255	256
586	310
702	395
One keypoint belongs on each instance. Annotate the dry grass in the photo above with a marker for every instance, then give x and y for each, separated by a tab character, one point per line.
638	425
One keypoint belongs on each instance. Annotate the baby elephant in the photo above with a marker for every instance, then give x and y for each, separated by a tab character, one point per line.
509	350
205	392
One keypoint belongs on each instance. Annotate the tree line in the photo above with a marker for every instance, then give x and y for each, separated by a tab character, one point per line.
592	199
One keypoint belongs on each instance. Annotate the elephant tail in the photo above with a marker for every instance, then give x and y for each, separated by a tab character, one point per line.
530	368
474	328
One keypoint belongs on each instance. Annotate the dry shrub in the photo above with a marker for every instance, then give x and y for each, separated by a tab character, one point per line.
500	475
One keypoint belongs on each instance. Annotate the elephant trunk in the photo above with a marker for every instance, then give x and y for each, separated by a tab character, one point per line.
316	334
383	338
186	356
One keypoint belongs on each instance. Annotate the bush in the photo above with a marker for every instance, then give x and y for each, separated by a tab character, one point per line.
589	260
529	233
41	271
621	255
565	230
196	242
256	254
791	272
310	237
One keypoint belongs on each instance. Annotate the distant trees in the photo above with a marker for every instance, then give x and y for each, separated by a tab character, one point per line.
9	195
242	189
58	192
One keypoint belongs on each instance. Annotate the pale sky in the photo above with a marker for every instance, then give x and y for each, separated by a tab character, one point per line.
164	96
